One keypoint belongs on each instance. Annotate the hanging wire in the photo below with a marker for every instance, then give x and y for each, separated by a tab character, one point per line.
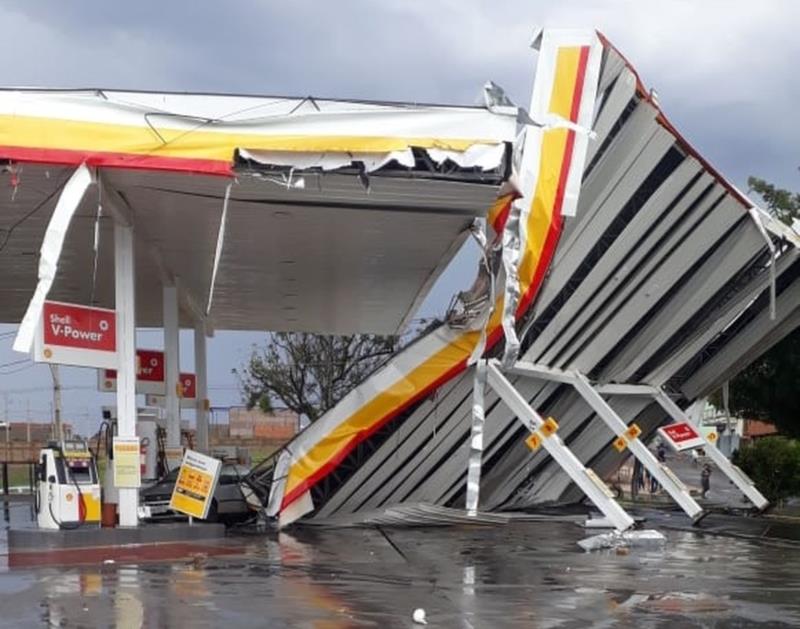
220	240
17	370
15	362
7	231
97	218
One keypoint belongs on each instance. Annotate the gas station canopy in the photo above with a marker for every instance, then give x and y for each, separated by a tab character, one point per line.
339	215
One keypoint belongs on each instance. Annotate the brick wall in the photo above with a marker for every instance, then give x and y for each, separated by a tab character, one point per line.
39	431
279	425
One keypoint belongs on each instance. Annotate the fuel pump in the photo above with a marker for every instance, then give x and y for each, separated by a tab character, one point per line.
68	490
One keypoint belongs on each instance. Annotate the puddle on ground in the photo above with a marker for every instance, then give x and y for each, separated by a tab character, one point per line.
519	575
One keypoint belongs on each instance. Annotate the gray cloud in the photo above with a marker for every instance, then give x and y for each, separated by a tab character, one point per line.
711	62
724	70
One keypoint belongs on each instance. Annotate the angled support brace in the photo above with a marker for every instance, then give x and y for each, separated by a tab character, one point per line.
627	436
737	476
591	485
666	478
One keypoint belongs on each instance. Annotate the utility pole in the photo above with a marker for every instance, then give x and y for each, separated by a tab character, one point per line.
58	429
28	420
7	423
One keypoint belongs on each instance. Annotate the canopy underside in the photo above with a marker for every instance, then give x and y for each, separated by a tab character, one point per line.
341	255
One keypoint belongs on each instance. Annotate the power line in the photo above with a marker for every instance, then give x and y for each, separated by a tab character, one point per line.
8	373
15	362
73	387
10	230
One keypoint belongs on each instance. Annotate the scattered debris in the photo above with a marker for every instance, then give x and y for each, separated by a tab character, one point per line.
627	539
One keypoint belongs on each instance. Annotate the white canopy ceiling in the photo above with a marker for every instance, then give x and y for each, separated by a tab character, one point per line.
334	257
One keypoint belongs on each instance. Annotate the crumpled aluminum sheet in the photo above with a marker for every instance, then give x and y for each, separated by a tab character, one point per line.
626	539
52	244
483	156
512	254
417	514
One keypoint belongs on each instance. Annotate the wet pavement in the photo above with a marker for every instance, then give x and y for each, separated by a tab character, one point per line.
524	574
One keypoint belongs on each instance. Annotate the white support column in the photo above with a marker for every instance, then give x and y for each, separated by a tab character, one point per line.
172	365
201	372
125	282
737	476
586	479
476	440
661	472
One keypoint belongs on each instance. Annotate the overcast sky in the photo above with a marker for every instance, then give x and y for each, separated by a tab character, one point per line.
725	73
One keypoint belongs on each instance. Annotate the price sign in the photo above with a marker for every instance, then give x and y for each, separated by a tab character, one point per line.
127	463
196	483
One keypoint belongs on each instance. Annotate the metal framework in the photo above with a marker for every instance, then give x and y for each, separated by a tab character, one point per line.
543	433
627	435
733	472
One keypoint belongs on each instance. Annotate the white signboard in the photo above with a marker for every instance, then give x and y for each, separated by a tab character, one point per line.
159	401
127	462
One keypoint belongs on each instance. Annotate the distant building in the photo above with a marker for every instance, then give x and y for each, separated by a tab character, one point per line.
279	425
39	431
755	429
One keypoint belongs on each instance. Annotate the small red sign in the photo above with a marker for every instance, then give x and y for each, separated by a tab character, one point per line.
681	432
81	327
681	436
150	375
149	366
189	384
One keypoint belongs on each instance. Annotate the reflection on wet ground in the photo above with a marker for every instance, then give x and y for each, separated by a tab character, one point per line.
519	575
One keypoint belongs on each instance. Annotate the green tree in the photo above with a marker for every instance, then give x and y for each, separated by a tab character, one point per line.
769	388
783	204
310	373
774	465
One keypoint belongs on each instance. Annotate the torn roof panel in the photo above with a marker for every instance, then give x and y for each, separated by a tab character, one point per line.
339	198
201	133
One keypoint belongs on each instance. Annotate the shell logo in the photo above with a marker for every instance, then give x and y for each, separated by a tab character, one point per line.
69	497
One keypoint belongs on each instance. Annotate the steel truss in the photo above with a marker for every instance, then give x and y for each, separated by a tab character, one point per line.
543	433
